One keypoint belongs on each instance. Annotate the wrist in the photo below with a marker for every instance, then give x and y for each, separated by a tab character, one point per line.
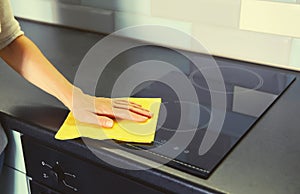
79	100
69	95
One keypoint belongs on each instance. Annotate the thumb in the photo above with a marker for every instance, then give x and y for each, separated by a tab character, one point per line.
105	122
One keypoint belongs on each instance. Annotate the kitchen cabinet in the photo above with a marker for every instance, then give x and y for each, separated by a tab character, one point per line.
13	178
59	172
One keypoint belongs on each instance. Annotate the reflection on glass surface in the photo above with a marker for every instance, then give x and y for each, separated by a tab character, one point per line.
251	102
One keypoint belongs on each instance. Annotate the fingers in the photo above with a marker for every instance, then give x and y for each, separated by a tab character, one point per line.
139	111
121	109
129	115
88	117
133	107
126	102
101	111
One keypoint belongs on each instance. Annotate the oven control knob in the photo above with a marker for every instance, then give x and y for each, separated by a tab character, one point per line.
59	174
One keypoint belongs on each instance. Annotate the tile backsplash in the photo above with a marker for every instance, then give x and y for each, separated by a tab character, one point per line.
219	25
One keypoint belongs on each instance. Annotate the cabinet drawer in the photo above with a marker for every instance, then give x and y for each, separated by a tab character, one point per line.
68	174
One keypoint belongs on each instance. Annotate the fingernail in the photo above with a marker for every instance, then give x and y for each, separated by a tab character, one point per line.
109	124
151	114
144	119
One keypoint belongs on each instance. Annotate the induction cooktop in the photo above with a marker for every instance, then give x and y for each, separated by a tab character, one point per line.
250	92
195	134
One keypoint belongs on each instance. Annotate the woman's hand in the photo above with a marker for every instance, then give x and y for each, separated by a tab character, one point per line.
102	111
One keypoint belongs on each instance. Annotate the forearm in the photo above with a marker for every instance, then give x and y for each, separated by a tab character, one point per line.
25	58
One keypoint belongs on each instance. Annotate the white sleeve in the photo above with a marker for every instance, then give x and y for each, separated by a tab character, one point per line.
9	27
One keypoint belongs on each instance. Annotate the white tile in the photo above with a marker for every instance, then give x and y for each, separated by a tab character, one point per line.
270	17
295	53
71	15
33	9
216	12
244	45
284	1
87	18
177	37
134	6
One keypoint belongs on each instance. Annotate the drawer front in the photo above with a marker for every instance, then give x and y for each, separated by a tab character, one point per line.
67	174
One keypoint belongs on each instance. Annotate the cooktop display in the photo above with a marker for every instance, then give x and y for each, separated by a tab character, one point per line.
206	110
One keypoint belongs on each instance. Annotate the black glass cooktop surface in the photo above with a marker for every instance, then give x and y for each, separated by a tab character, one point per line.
206	110
249	93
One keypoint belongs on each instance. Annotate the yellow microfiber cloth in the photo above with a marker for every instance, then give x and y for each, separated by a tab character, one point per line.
123	130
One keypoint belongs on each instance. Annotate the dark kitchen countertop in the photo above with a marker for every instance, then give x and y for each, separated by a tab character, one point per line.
265	161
